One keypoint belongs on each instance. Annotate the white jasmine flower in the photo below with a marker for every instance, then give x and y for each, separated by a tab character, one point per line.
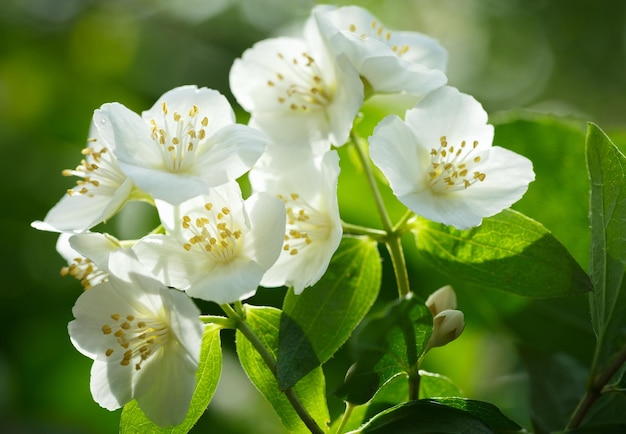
144	339
297	91
441	164
218	246
308	187
102	190
390	61
87	256
187	142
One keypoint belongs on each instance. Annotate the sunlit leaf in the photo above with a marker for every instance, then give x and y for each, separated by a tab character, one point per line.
389	343
311	390
437	386
495	254
317	322
607	167
557	197
133	421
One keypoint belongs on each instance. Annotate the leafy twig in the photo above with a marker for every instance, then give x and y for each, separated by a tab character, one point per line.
267	357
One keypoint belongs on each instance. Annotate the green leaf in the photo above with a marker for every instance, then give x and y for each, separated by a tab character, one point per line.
488	413
437	386
556	146
445	415
494	254
607	166
423	417
396	391
316	323
265	322
557	381
133	421
388	344
609	428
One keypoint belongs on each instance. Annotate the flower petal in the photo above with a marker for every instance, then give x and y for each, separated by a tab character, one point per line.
110	384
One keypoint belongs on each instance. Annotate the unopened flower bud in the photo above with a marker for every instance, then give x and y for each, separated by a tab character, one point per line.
442	299
447	326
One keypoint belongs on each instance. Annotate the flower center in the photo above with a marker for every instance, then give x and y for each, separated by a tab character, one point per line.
179	136
378	32
138	338
99	172
214	233
85	271
300	85
305	224
453	169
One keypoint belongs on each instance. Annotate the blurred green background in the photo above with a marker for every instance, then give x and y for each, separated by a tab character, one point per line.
61	59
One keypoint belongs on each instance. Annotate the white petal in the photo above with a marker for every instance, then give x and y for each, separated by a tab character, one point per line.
95	246
249	75
210	103
229	153
111	384
347	101
267	218
78	213
450	113
394	150
170	187
185	325
315	182
165	258
165	385
390	61
129	134
93	309
236	280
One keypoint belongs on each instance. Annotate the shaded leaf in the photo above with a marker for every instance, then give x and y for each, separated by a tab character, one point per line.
396	391
311	390
320	320
133	421
607	167
388	343
424	417
488	413
492	255
557	381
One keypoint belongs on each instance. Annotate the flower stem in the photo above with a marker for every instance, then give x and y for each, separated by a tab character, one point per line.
414	386
595	390
367	167
392	240
394	247
268	358
375	234
345	418
225	323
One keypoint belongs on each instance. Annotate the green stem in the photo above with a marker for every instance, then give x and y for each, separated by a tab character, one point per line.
595	389
268	358
345	418
394	247
414	386
392	241
375	234
400	227
225	323
369	173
